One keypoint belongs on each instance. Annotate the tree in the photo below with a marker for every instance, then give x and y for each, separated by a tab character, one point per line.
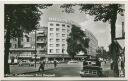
77	41
102	53
103	12
19	18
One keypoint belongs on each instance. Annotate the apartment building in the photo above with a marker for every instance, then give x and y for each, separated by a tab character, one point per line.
93	43
32	45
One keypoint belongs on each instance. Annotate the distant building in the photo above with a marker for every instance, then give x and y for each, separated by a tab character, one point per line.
93	43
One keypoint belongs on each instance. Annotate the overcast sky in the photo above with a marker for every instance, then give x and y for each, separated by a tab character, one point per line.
99	29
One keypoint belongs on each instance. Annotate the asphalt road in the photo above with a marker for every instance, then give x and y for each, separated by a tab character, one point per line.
62	70
15	69
65	70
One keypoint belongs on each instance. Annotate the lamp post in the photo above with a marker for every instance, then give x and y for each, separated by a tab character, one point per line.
35	49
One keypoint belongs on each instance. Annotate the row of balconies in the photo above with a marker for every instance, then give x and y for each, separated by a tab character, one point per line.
27	49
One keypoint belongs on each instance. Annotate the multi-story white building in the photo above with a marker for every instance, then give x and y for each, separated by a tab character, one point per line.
58	31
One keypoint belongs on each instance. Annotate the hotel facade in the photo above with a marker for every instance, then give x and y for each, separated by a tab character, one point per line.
49	43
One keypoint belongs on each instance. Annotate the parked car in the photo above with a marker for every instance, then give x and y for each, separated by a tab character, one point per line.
91	69
72	62
52	62
26	63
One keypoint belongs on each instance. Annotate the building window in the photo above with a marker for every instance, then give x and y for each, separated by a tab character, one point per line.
57	29
51	40
57	24
63	25
68	26
51	29
63	50
86	71
51	34
51	50
63	40
57	50
63	30
51	24
57	40
51	45
57	34
57	45
63	35
63	45
94	72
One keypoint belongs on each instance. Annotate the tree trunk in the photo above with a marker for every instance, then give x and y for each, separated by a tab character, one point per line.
19	42
113	51
6	51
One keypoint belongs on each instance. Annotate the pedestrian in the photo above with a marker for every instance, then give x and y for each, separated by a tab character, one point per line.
122	65
42	65
55	63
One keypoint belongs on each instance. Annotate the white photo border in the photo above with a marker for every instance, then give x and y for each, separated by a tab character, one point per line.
59	2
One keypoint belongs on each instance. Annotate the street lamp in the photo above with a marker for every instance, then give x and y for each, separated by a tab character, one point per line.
35	49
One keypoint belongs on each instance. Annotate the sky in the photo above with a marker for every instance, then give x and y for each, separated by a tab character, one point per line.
99	29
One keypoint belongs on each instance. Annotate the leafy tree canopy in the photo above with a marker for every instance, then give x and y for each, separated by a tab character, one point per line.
102	12
77	41
22	17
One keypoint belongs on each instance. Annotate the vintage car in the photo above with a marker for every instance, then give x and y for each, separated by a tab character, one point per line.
26	63
91	69
72	62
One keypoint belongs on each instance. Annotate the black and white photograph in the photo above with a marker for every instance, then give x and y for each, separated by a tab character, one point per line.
64	40
63	80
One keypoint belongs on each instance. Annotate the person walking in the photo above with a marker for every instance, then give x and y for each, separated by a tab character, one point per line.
55	63
42	65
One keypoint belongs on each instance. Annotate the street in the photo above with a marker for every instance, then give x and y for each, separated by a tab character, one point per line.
66	70
62	70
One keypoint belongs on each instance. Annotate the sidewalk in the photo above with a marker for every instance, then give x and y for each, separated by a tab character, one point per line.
106	70
108	73
15	69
